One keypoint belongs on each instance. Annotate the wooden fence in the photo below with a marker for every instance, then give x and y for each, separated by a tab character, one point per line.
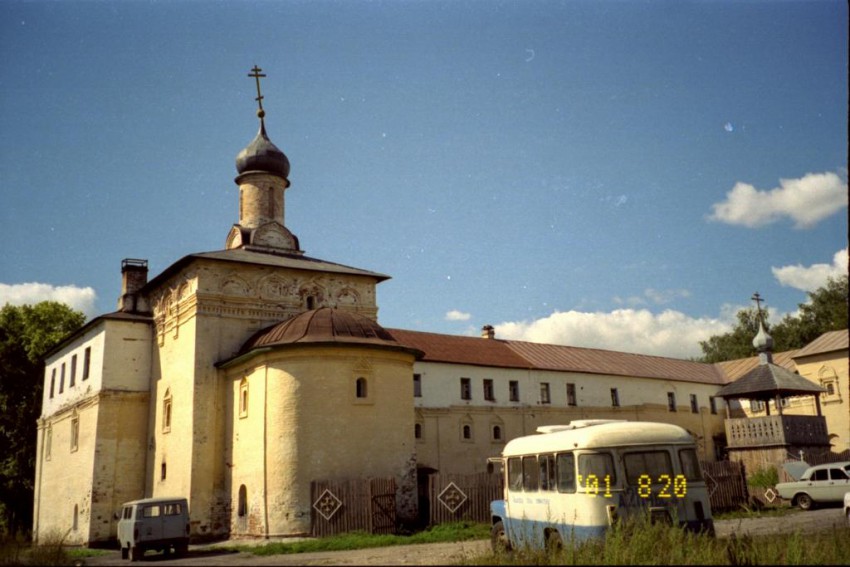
454	497
727	484
351	505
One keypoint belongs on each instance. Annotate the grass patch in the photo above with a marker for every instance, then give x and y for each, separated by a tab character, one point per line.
640	543
455	531
746	512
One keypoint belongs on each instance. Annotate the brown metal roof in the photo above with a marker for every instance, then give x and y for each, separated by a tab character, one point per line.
519	354
597	361
827	342
461	350
734	369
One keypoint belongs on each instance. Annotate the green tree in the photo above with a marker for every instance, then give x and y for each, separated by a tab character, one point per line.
27	333
825	311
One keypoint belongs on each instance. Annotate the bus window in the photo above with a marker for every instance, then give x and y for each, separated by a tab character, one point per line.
690	464
529	473
648	463
547	471
566	472
515	474
599	464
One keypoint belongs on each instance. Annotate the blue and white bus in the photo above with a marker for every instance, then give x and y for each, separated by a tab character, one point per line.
571	482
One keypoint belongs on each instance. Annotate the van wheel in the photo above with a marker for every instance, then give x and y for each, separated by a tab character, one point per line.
181	549
804	501
499	539
136	553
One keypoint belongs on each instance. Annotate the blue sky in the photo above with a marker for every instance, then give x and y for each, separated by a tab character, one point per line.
609	174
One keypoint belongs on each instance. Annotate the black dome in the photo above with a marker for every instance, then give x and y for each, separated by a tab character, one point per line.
262	155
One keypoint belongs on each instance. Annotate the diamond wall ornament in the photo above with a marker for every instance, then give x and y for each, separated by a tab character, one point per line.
452	497
327	504
770	495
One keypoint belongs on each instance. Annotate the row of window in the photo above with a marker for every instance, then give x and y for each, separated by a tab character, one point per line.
466	432
546	394
557	471
75	438
73	374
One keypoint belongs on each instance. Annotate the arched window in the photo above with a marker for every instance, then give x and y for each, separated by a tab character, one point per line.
417	431
243	398
166	411
497	433
242	506
162	471
467	432
361	388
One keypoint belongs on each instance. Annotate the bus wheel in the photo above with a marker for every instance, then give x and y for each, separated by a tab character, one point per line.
554	543
499	539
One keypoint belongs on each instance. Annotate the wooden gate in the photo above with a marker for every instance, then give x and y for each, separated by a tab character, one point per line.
727	484
454	497
353	505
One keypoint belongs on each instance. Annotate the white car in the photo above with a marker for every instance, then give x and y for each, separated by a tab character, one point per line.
821	483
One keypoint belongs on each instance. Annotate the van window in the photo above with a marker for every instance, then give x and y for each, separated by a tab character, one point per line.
174	509
566	472
128	512
547	472
647	463
599	464
529	474
690	464
151	511
515	474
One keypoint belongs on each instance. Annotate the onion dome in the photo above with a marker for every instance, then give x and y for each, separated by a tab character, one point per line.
262	155
325	326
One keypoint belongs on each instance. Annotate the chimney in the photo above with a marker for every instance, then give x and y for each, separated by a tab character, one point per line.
134	276
488	332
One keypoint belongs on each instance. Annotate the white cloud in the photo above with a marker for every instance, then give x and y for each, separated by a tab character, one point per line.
656	296
670	333
80	298
455	315
812	277
807	201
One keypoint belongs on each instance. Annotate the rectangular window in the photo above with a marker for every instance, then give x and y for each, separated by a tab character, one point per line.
417	385
571	395
690	464
151	511
671	401
48	442
75	433
544	393
513	386
52	381
529	474
547	472
465	389
566	464
73	371
712	404
615	398
694	404
62	379
488	390
599	464
515	474
87	363
650	464
756	406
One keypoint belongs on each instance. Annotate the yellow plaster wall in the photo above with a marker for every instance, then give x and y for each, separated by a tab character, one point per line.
818	369
316	429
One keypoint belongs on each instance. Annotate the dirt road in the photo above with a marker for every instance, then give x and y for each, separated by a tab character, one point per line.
451	553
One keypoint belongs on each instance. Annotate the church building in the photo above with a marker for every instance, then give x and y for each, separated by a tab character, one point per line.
237	377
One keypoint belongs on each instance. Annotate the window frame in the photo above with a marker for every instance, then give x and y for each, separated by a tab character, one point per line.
466	389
